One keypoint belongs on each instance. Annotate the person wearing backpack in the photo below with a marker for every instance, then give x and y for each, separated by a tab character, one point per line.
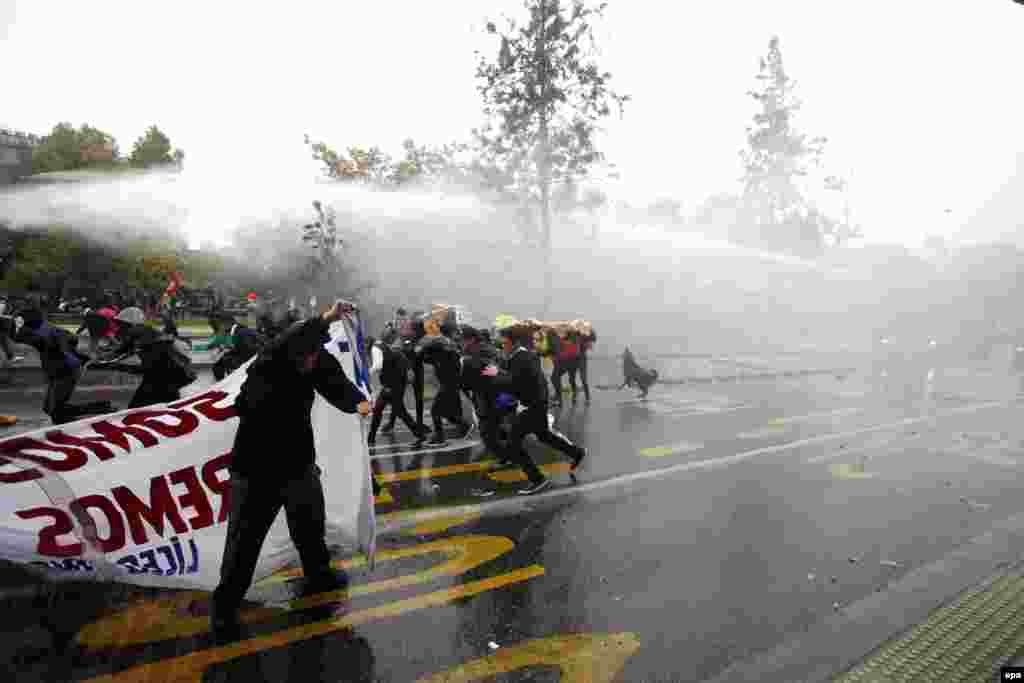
62	364
163	367
566	363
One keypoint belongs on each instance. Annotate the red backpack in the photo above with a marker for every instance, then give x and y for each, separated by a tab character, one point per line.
569	350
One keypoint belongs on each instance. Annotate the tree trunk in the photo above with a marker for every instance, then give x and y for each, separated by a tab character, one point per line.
544	167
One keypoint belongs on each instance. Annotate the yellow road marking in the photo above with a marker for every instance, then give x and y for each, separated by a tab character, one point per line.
671	449
583	658
191	667
850	471
162	619
431	472
436	526
519	475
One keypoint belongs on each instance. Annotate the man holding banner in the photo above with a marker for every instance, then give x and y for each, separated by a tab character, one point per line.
273	464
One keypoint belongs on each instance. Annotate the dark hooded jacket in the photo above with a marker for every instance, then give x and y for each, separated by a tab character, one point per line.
56	348
275	432
159	360
525	379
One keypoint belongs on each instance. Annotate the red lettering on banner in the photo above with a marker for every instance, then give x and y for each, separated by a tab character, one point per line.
204	405
161	507
116	540
118	434
16	449
18	477
220	487
91	443
187	422
61	526
195	497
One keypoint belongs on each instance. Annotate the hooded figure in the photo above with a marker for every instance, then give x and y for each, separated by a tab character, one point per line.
491	406
273	461
441	352
164	368
393	376
526	381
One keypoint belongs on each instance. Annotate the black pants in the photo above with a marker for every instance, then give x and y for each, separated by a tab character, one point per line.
58	397
254	506
401	397
448	405
582	365
569	368
391	396
534	420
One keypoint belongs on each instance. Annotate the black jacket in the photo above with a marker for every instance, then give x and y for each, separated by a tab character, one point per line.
56	348
275	431
159	359
395	371
443	354
525	379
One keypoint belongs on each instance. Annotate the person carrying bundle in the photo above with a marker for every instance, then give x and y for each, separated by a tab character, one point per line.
566	363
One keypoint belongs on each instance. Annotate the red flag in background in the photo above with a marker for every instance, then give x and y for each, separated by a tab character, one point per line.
177	281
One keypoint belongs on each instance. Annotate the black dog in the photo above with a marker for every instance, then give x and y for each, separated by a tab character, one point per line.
634	374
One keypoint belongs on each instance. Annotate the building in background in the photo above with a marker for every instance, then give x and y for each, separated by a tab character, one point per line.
15	155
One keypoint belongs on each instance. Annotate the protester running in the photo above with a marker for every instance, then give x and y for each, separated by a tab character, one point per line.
394	374
528	384
164	369
62	364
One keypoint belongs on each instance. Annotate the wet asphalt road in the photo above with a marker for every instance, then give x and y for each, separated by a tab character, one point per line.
771	505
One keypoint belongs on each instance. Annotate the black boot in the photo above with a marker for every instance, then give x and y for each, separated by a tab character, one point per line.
224	624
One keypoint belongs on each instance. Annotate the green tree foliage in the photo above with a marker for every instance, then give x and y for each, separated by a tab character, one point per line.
778	154
543	95
152	149
42	261
68	149
368	165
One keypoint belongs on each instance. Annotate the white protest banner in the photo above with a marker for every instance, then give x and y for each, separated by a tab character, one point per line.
141	496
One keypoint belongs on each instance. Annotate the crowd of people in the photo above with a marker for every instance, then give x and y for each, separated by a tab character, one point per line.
500	373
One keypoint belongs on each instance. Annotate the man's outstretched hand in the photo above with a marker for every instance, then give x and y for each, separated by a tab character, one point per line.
363	408
340	308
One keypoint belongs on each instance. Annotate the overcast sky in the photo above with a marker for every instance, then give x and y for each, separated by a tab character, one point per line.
921	99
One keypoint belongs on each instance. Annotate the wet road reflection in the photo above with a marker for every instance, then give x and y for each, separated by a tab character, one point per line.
710	523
